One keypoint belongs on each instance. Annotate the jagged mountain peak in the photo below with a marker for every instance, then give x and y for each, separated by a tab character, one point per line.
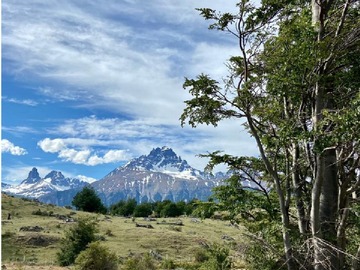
34	186
33	177
159	159
55	175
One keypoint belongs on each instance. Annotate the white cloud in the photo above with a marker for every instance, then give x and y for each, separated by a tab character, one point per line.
77	155
52	146
135	68
28	102
85	178
9	147
17	130
126	58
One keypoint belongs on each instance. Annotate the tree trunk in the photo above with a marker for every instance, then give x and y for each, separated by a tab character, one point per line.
356	261
290	262
302	223
325	186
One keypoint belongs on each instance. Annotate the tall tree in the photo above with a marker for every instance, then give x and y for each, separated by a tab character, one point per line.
296	84
87	200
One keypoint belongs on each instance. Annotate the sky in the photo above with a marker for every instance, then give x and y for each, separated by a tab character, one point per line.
89	85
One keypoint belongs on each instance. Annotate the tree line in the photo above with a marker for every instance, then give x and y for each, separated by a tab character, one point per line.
87	200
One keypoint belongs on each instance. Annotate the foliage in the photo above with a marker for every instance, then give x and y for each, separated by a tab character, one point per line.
217	258
124	208
293	86
171	210
139	263
143	210
96	257
164	208
168	264
76	240
204	209
87	200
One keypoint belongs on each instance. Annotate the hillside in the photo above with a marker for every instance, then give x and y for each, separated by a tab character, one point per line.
119	234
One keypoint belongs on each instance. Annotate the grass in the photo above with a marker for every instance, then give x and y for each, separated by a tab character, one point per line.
178	243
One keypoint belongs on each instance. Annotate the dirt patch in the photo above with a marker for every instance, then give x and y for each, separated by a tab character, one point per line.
37	240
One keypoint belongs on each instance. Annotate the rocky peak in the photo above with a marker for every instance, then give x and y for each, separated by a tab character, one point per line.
33	177
159	159
54	175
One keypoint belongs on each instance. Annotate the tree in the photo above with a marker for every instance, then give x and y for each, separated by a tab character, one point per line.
171	210
76	240
87	200
295	83
143	210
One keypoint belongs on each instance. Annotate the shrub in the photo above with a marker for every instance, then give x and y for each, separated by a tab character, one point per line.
220	256
201	256
216	257
168	264
76	240
96	257
140	263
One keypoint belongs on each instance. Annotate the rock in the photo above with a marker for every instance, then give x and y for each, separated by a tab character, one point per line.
227	238
31	229
155	255
148	226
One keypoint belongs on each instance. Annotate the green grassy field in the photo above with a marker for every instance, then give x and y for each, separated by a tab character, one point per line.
119	234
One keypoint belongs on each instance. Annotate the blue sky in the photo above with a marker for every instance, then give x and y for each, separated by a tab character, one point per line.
88	85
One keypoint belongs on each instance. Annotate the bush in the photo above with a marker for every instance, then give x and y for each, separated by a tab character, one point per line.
76	240
168	264
139	263
216	257
96	257
201	256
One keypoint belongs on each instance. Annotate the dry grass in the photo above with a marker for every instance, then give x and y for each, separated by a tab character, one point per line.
121	235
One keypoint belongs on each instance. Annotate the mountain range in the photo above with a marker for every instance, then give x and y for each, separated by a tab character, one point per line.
160	175
35	187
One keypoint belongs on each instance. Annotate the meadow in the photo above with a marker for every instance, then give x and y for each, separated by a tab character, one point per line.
31	236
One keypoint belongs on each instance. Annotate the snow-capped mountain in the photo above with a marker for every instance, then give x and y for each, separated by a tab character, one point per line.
160	175
34	186
162	160
5	185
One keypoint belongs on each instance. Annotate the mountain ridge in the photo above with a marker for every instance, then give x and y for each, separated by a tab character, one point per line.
159	175
34	186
